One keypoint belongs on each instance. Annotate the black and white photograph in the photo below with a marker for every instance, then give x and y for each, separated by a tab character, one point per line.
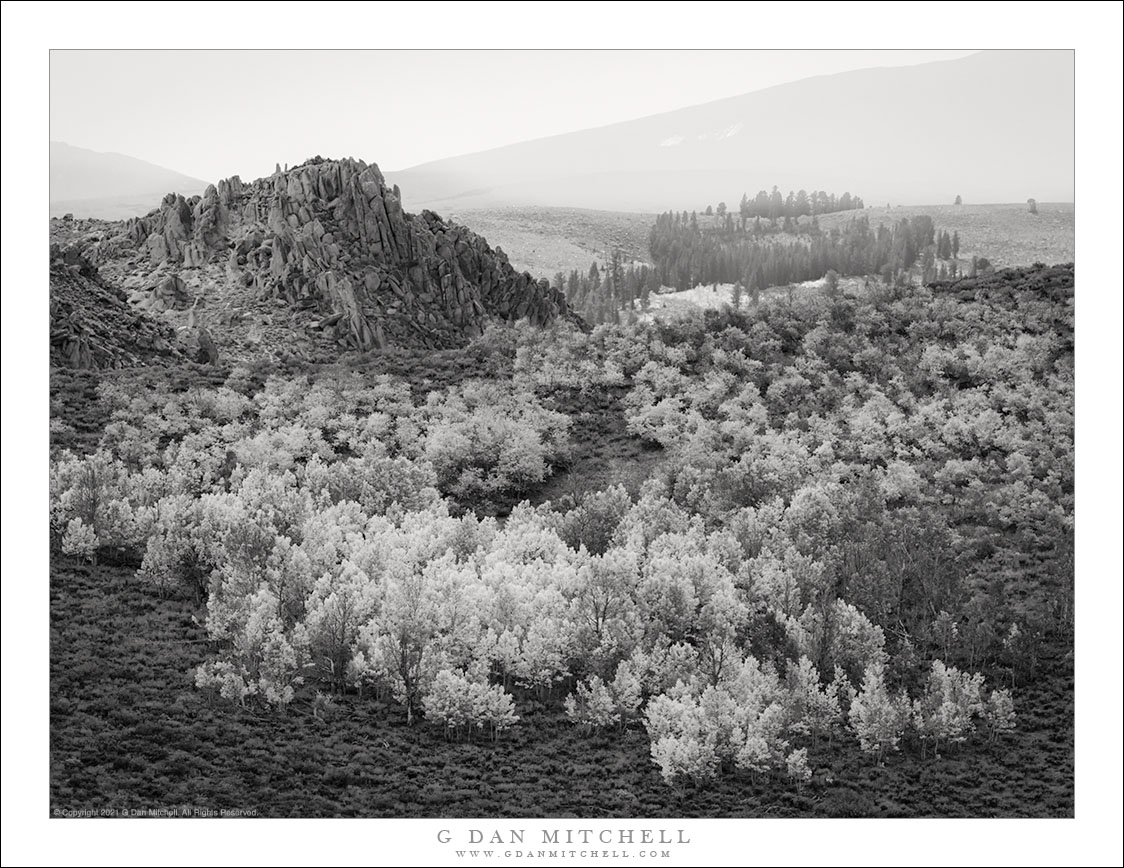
590	451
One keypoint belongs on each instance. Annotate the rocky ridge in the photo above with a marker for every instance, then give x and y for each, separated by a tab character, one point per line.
92	325
326	242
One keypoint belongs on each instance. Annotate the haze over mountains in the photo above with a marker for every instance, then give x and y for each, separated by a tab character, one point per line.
992	127
112	186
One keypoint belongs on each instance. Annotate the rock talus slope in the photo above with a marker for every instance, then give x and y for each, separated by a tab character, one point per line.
93	325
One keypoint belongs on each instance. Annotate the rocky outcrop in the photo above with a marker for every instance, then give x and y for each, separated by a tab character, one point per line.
330	236
93	326
167	242
171	293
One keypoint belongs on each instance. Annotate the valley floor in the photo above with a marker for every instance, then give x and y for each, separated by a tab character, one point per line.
1006	234
545	241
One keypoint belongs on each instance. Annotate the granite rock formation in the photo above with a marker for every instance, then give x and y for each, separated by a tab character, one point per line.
330	237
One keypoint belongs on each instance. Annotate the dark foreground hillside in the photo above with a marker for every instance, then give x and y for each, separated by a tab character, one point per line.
129	731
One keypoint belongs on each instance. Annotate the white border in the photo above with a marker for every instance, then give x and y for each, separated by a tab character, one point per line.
30	29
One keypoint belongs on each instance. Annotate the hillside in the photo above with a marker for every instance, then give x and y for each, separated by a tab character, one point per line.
110	186
822	549
94	326
905	134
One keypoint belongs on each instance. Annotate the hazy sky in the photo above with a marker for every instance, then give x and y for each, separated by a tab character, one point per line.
212	114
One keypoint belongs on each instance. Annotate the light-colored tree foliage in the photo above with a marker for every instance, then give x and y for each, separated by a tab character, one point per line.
80	540
878	718
1000	713
946	711
465	705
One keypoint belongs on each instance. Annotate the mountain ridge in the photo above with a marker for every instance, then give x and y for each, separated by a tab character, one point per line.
108	184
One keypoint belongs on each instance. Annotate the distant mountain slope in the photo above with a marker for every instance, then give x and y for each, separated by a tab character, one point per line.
111	186
992	127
